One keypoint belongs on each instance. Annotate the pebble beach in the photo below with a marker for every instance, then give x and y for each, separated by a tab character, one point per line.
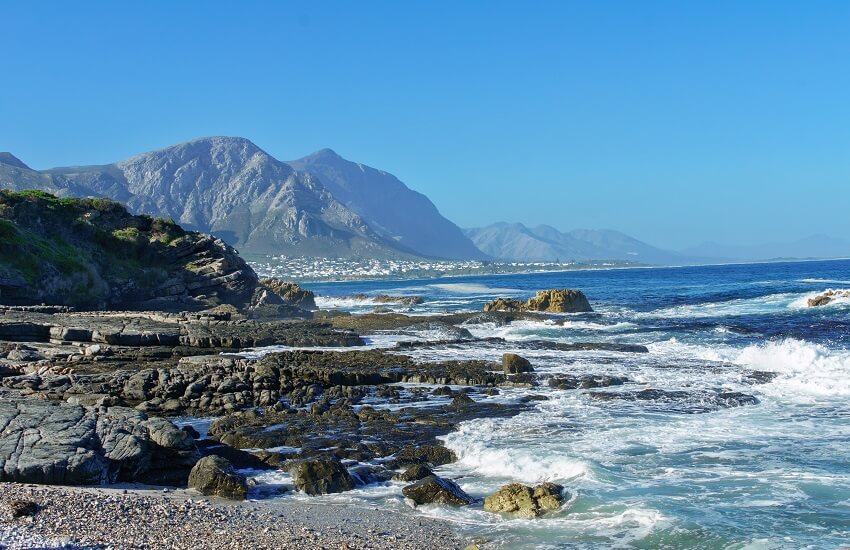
129	517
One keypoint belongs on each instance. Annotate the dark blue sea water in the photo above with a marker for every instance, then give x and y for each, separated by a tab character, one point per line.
683	471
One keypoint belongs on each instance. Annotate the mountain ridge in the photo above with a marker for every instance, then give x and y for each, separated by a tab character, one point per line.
516	241
226	186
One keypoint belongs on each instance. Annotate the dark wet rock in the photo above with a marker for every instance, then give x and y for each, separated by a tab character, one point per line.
436	490
525	502
414	473
241	460
587	346
514	364
192	432
402	300
462	400
535	397
550	301
443	391
522	380
451	332
49	442
587	381
18	508
759	377
320	476
435	455
367	475
214	475
698	401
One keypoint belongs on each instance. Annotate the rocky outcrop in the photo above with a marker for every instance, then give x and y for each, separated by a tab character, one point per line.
436	490
214	475
523	501
60	443
547	301
514	364
828	297
270	290
320	476
93	254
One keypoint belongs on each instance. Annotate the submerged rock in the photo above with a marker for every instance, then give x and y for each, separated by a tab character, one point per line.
515	364
827	297
436	490
587	381
698	401
525	501
214	475
321	476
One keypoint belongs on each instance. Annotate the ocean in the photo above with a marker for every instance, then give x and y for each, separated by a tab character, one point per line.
683	469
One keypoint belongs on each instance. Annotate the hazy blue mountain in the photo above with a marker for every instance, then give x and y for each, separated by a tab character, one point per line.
815	246
515	241
225	186
389	206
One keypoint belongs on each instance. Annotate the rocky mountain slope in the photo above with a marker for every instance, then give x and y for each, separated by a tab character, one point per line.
232	189
93	254
224	186
515	241
389	206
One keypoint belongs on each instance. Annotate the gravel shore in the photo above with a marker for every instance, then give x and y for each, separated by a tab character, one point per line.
131	518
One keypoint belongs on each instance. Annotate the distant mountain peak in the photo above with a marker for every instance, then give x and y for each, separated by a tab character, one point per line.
11	160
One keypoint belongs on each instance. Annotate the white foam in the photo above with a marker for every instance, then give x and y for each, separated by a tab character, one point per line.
841	298
827	281
477	448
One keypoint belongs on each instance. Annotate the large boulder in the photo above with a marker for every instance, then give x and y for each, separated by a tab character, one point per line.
563	300
559	301
60	443
515	364
524	501
436	490
321	476
214	475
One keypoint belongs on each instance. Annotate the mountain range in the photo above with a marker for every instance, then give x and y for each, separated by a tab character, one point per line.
231	188
515	241
325	205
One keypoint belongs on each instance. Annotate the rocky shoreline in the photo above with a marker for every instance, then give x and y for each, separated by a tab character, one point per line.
99	398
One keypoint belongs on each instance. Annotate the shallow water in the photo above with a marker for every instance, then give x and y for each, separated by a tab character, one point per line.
683	472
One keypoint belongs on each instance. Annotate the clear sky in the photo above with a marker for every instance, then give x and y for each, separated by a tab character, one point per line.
674	121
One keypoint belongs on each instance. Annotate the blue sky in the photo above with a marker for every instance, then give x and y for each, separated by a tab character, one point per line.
676	122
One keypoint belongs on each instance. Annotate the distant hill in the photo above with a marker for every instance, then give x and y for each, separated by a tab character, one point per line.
231	188
815	246
389	206
515	241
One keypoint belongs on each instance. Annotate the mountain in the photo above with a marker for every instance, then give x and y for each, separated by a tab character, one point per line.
389	206
225	186
815	246
515	241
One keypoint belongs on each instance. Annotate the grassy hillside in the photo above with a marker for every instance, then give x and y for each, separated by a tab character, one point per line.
92	253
